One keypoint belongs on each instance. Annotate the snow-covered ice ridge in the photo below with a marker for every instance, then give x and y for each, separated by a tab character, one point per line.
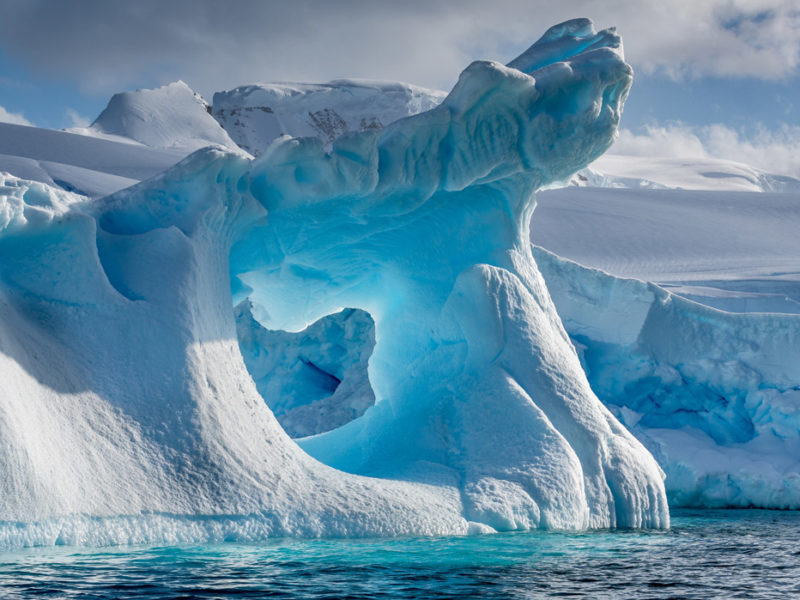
128	414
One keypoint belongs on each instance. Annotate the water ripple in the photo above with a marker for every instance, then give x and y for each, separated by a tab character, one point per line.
707	554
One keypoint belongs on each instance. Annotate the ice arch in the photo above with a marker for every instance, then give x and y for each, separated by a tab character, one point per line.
425	225
127	415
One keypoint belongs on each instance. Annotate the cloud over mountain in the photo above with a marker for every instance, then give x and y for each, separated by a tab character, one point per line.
216	45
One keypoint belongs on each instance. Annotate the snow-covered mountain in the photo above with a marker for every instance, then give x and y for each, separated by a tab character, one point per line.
254	115
172	117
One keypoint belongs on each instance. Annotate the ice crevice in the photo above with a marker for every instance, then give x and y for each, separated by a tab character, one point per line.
483	417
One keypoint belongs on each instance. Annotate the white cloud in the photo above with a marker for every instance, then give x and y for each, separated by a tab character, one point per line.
756	38
216	45
775	151
677	140
15	118
76	119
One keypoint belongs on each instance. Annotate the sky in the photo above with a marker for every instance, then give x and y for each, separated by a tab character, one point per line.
713	77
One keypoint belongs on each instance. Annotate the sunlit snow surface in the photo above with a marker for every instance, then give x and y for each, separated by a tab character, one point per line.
170	117
736	251
129	415
78	163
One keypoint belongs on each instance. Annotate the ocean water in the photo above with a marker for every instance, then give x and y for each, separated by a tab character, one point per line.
706	554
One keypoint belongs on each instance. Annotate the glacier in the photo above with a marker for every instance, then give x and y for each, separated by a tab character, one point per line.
128	414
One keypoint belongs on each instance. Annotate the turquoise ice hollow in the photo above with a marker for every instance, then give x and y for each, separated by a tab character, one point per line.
483	419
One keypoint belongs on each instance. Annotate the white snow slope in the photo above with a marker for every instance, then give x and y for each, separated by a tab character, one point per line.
172	116
737	251
661	172
79	163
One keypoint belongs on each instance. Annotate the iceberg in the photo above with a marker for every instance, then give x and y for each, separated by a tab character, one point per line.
128	415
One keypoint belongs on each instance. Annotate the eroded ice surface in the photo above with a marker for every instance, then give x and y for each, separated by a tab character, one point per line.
129	415
314	380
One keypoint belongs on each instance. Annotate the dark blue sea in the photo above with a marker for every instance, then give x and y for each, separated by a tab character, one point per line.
706	554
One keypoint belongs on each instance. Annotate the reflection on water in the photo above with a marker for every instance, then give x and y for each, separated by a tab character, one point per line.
706	554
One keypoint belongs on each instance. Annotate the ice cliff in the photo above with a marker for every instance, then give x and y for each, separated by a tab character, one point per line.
127	414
